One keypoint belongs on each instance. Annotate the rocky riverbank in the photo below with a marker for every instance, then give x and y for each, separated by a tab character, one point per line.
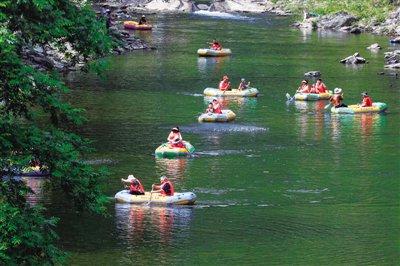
346	22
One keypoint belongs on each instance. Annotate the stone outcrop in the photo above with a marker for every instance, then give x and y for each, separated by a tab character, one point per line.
374	46
354	59
336	21
392	59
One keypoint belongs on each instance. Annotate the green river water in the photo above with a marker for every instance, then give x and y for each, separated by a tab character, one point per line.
284	184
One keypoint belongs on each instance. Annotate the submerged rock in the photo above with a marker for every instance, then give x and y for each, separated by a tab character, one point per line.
354	59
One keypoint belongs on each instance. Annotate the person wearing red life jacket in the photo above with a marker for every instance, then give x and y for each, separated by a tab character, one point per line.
320	86
217	109
366	101
175	138
337	98
135	186
224	84
165	188
214	45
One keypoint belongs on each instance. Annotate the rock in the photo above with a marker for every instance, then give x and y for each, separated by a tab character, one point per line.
312	74
355	30
395	40
393	66
203	7
38	49
374	46
392	57
354	59
251	6
336	21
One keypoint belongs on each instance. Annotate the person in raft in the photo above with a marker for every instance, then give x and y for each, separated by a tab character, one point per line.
210	108
304	87
165	188
175	138
337	98
366	101
243	85
214	45
142	20
224	84
217	109
135	186
320	87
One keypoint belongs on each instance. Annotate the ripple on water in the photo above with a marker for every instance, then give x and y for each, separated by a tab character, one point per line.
222	128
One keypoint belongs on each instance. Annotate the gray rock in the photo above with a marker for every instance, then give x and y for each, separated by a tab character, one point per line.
374	46
392	57
353	59
393	66
395	40
355	30
336	21
203	7
312	74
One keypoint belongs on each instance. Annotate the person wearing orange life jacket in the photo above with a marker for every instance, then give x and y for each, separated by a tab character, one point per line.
224	84
135	186
366	101
210	108
320	86
217	109
337	98
165	188
175	138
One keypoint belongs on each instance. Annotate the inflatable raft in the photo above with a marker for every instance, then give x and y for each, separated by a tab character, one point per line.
250	92
312	96
356	109
184	198
166	151
226	116
212	52
133	25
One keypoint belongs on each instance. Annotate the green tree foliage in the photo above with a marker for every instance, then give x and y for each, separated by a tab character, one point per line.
36	124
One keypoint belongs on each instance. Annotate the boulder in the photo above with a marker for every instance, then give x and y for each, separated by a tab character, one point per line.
392	57
355	30
354	59
312	74
336	21
395	40
374	46
203	7
393	66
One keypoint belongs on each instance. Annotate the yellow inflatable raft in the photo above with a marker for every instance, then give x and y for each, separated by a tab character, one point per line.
312	96
184	198
166	151
357	109
250	92
133	25
212	52
226	116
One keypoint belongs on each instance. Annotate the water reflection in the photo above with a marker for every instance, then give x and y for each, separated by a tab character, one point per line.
138	224
229	102
304	119
212	63
174	168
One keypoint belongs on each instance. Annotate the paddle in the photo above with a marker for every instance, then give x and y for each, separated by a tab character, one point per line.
151	195
289	98
328	106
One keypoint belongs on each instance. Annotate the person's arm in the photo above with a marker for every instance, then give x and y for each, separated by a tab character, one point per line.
170	137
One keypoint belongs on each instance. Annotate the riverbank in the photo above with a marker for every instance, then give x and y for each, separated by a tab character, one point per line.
348	16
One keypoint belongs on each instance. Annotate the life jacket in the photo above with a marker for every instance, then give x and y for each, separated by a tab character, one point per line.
136	187
223	86
367	101
171	189
321	88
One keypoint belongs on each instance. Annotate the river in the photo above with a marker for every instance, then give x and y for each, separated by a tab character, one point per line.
283	184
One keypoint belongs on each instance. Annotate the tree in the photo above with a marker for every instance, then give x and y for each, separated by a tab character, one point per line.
27	97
